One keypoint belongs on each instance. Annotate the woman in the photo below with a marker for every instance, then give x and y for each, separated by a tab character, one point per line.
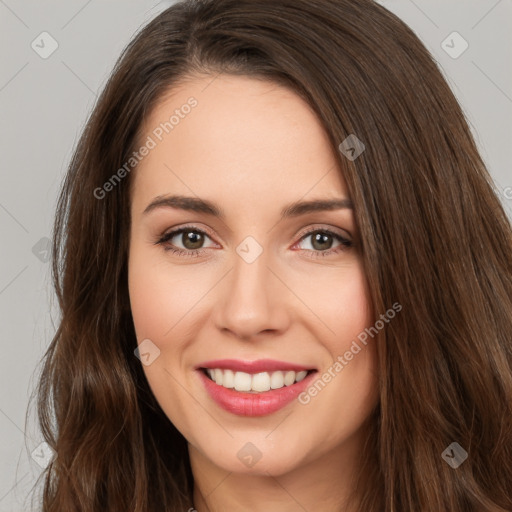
284	275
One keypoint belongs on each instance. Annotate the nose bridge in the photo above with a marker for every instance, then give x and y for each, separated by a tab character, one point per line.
251	300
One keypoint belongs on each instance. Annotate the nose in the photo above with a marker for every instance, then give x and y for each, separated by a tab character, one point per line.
253	301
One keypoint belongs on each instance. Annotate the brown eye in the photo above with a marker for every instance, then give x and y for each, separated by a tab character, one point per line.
185	239
322	242
192	239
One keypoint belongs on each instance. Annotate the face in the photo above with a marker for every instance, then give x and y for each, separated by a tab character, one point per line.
242	284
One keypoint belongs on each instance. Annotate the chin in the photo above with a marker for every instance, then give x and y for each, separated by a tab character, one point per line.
256	459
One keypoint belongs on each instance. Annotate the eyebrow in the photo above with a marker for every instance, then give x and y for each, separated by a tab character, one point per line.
195	204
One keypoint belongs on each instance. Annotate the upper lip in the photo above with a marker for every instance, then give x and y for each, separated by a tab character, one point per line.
260	365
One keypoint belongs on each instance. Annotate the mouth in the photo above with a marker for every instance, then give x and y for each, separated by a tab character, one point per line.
254	388
256	382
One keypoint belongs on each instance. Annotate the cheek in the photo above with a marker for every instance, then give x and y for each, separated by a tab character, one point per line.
350	309
149	306
340	302
351	314
147	302
346	388
159	305
160	297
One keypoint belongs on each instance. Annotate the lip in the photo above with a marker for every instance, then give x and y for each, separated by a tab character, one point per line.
253	404
260	365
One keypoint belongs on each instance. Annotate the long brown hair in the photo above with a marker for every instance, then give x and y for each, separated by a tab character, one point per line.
435	238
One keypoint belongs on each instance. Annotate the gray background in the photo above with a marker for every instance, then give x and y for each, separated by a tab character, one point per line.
44	104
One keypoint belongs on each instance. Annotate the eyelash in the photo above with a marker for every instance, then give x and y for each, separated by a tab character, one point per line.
345	244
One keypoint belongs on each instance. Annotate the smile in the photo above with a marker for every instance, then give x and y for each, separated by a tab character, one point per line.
257	383
254	388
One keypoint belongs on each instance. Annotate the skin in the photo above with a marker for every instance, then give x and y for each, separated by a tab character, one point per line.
252	147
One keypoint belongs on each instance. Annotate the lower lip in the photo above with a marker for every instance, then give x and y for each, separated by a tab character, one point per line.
254	404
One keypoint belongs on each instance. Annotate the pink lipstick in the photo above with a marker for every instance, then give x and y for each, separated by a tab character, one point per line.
246	401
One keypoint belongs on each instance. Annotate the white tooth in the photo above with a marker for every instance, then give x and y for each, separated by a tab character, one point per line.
242	381
218	376
260	382
228	381
289	378
300	376
277	380
257	383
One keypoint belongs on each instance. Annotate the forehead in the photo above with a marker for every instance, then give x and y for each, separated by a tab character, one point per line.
243	139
